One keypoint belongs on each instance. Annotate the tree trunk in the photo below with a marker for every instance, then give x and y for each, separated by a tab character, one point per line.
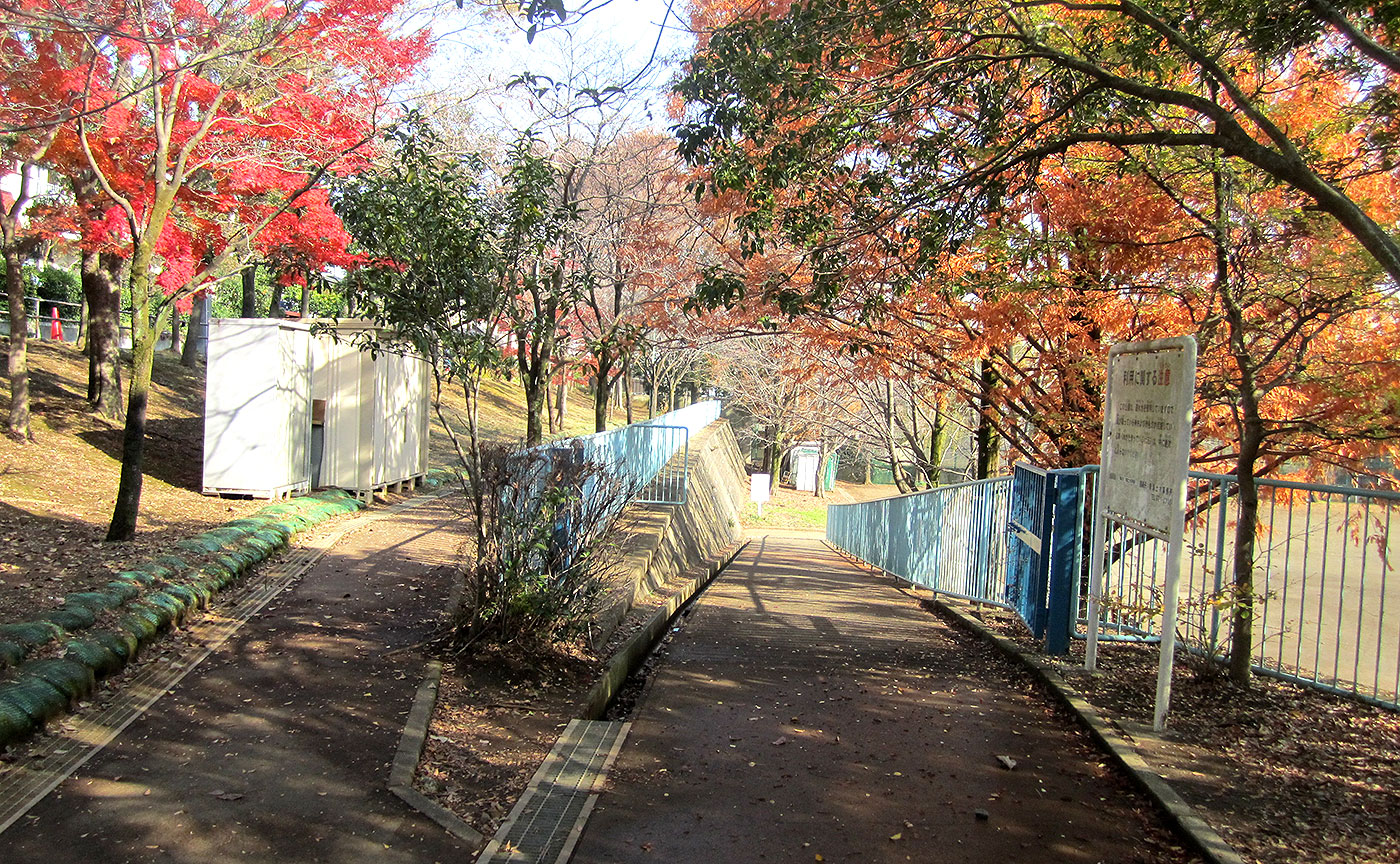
895	473
104	333
81	342
128	503
1242	614
770	452
602	391
197	327
305	308
174	330
938	443
627	389
561	398
552	423
535	342
250	291
143	337
17	366
274	306
774	457
988	441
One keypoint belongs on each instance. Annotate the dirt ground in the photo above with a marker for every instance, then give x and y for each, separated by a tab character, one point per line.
498	714
56	493
1283	772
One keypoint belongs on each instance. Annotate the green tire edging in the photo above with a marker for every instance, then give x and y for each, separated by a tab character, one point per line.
144	602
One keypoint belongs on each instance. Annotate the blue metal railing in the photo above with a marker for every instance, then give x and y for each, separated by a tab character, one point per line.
1326	597
651	459
951	539
648	461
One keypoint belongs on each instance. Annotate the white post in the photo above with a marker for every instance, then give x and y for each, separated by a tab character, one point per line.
759	488
1168	644
1185	399
1096	541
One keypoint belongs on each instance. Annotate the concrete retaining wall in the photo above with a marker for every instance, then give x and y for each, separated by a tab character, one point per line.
663	540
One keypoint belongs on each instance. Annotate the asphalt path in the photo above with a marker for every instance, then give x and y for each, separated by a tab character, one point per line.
277	747
808	711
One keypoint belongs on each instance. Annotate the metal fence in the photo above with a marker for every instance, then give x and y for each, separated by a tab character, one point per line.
70	315
651	459
663	479
1326	592
951	539
646	462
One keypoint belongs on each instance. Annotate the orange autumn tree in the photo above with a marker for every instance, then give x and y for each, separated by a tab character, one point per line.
986	182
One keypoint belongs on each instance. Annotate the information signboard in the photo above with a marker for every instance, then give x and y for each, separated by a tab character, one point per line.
1147	433
1142	476
759	485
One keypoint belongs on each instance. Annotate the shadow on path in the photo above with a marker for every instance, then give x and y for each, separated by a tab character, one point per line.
808	709
277	748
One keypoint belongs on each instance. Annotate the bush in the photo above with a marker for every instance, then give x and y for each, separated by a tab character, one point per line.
547	546
52	283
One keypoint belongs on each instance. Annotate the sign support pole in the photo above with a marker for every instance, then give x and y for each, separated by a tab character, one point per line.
1096	543
1168	645
1186	390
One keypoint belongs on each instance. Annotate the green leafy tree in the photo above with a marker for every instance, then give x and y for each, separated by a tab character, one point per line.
450	263
424	227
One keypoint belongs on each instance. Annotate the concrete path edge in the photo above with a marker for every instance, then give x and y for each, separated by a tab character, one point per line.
410	750
1198	835
622	664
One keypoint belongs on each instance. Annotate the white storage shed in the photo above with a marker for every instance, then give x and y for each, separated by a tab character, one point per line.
371	412
257	408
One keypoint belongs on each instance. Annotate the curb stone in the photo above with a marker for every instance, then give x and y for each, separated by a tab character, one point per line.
410	750
1188	824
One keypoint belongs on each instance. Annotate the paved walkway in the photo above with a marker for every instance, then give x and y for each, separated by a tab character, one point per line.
809	711
277	748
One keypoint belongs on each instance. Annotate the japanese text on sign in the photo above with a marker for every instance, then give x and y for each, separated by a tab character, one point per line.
1146	435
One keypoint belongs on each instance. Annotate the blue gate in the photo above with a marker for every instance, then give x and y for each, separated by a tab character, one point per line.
1045	527
1028	528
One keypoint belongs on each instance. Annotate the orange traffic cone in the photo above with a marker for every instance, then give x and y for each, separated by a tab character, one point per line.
56	330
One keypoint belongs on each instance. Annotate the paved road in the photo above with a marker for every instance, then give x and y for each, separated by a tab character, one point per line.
808	711
277	748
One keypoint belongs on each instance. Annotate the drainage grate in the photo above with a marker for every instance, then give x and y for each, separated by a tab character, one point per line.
548	819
